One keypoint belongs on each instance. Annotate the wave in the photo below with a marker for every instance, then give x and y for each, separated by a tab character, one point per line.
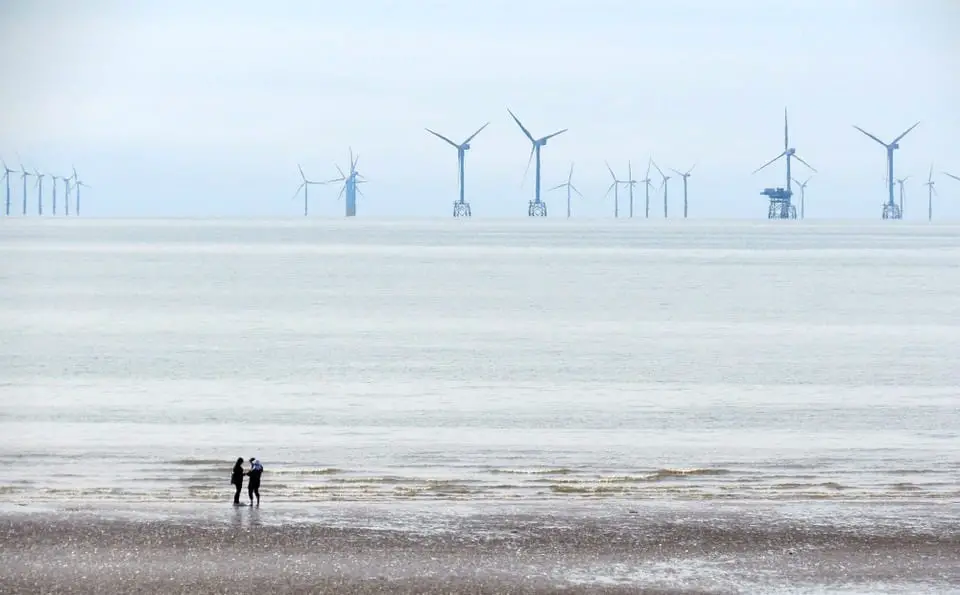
202	462
536	471
318	471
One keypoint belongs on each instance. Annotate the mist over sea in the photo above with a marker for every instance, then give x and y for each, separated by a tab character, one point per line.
535	365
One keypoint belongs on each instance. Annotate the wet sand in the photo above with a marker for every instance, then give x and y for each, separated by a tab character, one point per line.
493	554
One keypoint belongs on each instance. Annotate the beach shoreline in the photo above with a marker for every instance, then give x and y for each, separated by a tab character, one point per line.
88	552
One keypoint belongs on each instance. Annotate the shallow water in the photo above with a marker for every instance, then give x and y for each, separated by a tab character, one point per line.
481	361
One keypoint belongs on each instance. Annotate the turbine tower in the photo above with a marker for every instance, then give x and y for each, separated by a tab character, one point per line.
53	182
305	184
351	182
66	195
684	175
901	182
930	192
39	185
6	176
461	208
803	194
630	182
663	184
890	209
536	208
781	206
615	186
570	187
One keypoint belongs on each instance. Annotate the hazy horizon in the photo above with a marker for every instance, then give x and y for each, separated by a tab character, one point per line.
176	110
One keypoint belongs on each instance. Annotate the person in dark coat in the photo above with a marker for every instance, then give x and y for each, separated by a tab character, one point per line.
237	480
253	485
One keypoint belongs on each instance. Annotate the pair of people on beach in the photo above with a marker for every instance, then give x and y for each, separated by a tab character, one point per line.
253	485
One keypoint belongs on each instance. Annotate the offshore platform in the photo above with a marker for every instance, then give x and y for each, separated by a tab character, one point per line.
781	199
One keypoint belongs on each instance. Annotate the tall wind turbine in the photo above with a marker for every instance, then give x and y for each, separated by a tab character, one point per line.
6	176
901	182
630	182
305	184
780	199
77	183
803	194
930	192
66	195
350	184
53	182
890	209
24	174
663	184
461	208
536	208
39	184
684	175
615	186
647	182
570	187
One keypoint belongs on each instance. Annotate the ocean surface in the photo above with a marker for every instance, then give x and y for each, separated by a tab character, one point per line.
521	362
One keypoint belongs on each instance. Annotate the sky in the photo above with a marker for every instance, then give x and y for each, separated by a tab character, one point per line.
195	109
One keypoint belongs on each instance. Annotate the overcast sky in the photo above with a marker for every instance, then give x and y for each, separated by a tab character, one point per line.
205	108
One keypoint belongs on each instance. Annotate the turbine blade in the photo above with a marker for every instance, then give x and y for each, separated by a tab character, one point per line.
679	173
525	131
301	173
612	175
479	130
297	193
768	162
342	175
351	158
574	188
786	131
870	135
557	187
629	171
440	136
951	175
649	161
342	190
570	176
930	177
553	135
658	167
607	193
529	161
340	179
800	159
905	132
690	171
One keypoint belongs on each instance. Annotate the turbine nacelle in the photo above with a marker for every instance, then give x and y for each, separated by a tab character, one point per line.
465	147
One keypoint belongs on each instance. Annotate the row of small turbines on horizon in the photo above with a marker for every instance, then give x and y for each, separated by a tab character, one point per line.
780	198
71	182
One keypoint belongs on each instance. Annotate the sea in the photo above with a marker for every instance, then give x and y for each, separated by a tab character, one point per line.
435	364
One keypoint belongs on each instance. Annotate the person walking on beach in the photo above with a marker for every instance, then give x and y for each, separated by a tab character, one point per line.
237	480
253	485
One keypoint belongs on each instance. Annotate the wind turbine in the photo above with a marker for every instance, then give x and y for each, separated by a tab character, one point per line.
77	183
569	186
350	184
930	192
615	186
684	175
630	182
901	182
647	182
890	209
803	194
663	185
39	185
780	199
537	208
53	181
66	195
24	174
6	176
304	185
460	207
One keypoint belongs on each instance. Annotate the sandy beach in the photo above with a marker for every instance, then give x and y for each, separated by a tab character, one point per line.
85	553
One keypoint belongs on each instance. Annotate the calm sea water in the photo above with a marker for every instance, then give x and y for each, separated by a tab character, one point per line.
520	361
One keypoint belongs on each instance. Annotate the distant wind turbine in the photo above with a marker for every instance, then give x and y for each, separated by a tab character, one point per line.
77	183
930	192
647	182
305	184
789	153
803	195
351	184
53	182
39	185
6	176
615	186
901	182
630	182
890	209
663	184
66	195
536	208
461	207
24	174
684	175
570	187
